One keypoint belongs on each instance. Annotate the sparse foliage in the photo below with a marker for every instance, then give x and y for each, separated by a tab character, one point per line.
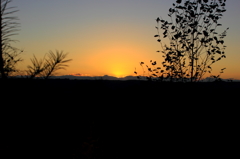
194	43
10	58
55	62
37	67
47	66
218	78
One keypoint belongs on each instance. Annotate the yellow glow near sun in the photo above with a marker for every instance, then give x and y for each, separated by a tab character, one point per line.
118	68
118	74
117	59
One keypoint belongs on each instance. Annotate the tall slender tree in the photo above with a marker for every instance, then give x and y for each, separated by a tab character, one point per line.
195	44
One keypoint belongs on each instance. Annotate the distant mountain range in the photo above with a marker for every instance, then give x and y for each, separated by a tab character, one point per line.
106	77
72	77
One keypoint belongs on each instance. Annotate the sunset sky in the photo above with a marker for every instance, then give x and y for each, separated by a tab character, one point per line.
108	37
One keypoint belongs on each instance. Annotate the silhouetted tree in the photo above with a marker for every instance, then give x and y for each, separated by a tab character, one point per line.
46	67
9	55
194	42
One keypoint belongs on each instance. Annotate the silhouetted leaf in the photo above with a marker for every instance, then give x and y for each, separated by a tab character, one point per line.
210	39
212	30
218	15
180	7
179	1
165	32
156	35
192	13
176	36
154	63
210	67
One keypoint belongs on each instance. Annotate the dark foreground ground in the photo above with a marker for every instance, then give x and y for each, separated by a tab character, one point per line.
117	119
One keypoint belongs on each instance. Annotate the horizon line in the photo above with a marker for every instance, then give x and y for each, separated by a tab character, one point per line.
111	76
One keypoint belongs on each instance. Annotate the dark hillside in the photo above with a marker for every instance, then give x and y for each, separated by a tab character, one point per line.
117	119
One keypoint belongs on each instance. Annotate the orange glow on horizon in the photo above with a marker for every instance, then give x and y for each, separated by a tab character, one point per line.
117	59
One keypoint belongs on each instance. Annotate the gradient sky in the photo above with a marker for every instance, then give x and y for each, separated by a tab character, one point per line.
108	37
